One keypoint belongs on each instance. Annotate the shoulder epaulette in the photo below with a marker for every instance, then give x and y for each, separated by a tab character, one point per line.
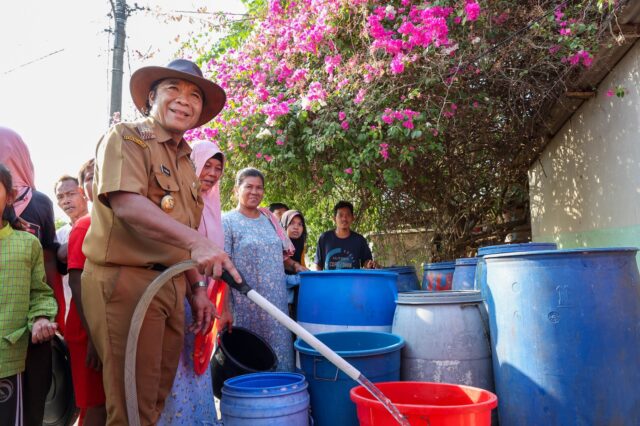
135	140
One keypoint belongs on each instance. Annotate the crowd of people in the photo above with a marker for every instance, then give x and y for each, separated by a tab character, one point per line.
155	201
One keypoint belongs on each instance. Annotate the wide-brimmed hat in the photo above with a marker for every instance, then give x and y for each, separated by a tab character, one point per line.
143	79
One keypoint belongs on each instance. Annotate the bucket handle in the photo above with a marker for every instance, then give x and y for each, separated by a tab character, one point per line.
318	360
483	321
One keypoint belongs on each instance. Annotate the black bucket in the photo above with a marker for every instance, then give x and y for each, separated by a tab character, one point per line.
240	352
60	407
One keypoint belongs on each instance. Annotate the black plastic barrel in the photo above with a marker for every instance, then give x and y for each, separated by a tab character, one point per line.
240	352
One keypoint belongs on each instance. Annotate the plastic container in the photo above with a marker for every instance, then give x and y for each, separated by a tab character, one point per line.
407	277
464	274
375	354
340	300
265	399
422	403
446	336
565	335
438	276
240	352
481	270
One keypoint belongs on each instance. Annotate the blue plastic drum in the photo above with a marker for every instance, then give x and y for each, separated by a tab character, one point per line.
352	299
376	355
465	273
438	276
565	336
265	399
407	278
481	270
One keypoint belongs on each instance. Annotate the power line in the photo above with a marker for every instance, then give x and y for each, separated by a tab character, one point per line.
33	61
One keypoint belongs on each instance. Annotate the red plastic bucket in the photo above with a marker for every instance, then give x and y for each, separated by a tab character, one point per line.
425	403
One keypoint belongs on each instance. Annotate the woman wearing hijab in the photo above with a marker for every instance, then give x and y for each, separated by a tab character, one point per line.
191	399
293	223
36	213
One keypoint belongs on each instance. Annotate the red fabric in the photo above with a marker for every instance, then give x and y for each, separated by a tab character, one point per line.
58	293
87	383
204	345
75	257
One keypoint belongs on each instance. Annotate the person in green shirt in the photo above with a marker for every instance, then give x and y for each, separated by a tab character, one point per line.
27	304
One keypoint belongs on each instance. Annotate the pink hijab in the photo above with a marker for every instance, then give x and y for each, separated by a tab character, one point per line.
211	223
15	155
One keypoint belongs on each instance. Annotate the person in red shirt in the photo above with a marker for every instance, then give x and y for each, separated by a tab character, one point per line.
85	363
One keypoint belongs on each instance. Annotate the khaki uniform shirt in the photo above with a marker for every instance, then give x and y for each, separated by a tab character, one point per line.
141	158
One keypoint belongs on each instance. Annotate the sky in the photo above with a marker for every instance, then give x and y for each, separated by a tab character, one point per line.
55	72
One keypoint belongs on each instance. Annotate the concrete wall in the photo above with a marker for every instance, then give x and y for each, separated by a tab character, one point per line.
585	187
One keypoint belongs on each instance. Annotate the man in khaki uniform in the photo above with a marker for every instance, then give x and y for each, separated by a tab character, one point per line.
145	219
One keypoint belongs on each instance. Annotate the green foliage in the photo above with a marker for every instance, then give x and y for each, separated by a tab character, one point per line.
456	167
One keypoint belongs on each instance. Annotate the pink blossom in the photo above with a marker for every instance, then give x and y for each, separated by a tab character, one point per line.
457	19
554	49
345	125
408	124
259	155
267	158
384	150
610	93
475	104
279	141
360	96
342	83
565	31
348	171
472	9
397	66
342	116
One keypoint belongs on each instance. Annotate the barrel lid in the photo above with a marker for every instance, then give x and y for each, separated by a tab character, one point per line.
353	343
265	384
439	265
349	272
564	252
511	248
396	268
438	297
466	261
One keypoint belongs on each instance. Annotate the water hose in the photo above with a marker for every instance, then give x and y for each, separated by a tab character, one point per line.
141	309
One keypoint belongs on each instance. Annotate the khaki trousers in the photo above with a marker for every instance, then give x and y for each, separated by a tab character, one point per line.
109	297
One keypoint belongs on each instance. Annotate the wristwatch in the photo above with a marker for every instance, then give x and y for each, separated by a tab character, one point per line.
197	285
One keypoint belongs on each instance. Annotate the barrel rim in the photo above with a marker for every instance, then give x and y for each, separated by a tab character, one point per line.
438	265
560	252
370	401
308	350
298	384
361	272
507	248
438	297
463	261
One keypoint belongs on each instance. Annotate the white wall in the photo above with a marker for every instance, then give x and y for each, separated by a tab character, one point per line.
585	187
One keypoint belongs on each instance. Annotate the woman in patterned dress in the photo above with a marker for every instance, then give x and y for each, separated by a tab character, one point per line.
191	399
260	250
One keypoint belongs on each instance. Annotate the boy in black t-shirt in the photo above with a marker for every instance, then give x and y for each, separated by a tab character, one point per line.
342	248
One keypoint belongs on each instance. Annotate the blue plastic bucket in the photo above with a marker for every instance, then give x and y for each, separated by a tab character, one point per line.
407	278
465	273
375	354
438	276
265	399
481	270
354	299
565	336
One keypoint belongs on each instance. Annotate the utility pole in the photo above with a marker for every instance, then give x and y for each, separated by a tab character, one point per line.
120	14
